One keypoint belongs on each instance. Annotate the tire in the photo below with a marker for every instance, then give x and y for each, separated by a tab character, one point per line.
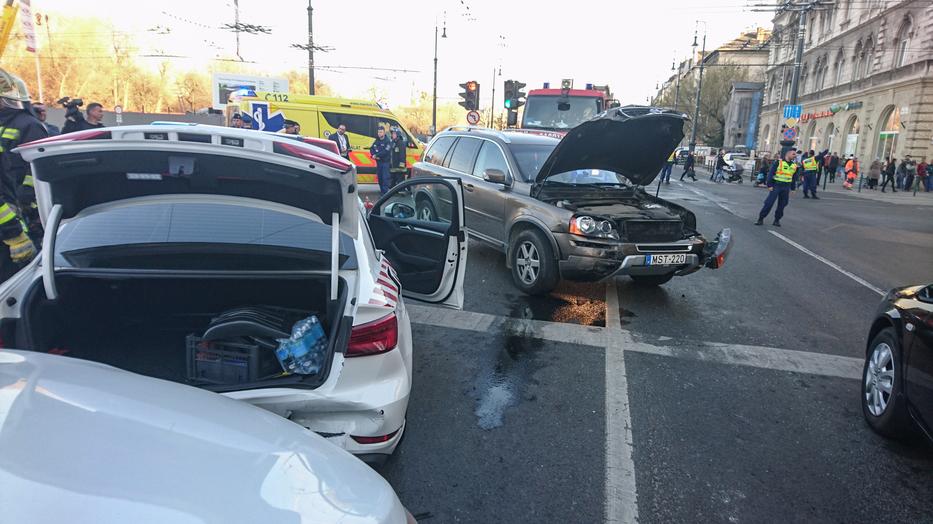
425	211
886	416
529	249
652	280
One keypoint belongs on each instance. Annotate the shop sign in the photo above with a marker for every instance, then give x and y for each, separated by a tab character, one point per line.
833	109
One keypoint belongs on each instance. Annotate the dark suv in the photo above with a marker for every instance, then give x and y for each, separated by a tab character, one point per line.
574	207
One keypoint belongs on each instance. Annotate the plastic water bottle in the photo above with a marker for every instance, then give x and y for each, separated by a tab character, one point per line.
303	352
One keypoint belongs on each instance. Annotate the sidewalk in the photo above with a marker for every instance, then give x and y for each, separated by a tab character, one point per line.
901	197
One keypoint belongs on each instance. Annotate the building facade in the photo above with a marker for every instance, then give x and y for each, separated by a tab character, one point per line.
866	81
741	116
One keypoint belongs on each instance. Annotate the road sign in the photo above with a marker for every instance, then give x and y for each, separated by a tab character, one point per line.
793	111
118	112
473	118
790	133
790	122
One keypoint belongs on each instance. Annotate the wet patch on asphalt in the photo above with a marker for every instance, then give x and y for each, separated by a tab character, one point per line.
501	383
581	303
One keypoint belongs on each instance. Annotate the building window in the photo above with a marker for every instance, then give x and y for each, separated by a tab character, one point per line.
840	65
857	62
902	43
869	58
745	110
890	125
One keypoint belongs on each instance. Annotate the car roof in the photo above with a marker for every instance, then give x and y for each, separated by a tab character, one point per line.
184	454
504	137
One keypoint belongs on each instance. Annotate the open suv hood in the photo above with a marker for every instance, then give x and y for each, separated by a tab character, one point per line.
633	141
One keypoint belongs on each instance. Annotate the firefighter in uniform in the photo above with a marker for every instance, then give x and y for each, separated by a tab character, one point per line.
781	181
811	169
17	198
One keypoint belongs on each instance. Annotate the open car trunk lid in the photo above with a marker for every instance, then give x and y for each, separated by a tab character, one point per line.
633	141
89	168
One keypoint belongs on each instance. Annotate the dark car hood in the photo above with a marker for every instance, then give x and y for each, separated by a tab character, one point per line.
633	141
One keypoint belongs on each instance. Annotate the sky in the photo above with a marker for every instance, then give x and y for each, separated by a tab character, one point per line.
628	44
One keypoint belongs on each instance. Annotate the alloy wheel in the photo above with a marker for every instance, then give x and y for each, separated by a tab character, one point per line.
879	379
528	262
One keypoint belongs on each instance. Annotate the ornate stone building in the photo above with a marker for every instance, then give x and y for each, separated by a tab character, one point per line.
866	83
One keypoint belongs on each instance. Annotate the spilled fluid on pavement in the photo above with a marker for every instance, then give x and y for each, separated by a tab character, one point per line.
501	384
581	303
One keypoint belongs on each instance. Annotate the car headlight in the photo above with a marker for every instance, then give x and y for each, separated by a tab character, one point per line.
593	227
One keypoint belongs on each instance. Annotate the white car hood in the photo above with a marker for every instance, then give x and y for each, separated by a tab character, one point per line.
85	442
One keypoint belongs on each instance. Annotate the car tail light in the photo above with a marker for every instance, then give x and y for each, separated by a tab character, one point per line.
373	338
301	151
375	440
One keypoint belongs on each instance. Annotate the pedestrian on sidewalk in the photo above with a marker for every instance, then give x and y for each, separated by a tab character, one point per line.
718	174
781	181
889	169
689	164
874	173
668	167
827	163
851	172
381	151
810	169
910	172
922	174
833	167
901	174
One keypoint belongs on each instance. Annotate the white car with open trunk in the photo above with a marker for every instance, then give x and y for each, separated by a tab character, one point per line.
187	253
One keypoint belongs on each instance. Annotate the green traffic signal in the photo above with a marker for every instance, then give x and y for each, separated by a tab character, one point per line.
508	103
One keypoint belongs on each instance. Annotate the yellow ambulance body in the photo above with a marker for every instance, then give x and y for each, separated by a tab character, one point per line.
319	116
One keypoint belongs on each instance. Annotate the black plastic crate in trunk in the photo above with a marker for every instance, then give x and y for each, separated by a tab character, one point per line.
653	230
223	362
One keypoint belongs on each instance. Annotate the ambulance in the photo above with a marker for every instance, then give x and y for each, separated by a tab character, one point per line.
319	116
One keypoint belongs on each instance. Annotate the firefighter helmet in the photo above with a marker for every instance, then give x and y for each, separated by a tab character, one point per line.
13	91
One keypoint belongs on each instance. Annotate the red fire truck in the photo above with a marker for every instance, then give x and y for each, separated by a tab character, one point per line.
559	110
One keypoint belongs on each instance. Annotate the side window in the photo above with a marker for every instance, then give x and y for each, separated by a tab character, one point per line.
356	124
439	150
388	124
464	154
490	157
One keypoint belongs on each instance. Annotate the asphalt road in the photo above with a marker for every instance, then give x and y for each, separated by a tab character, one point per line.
741	390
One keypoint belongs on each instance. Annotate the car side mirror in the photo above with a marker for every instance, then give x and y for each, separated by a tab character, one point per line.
496	176
399	210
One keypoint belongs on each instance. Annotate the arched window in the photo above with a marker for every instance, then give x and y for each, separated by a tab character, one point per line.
857	61
840	63
889	126
829	136
902	42
851	135
804	76
771	90
767	135
868	58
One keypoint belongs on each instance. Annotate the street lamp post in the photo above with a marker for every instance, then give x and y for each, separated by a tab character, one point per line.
696	109
677	89
434	101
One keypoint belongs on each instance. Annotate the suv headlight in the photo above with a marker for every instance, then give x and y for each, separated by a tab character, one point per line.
593	227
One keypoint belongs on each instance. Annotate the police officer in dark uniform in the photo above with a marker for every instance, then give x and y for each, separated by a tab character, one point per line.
399	149
781	181
17	126
381	151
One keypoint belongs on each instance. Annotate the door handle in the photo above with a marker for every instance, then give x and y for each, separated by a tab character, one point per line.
468	187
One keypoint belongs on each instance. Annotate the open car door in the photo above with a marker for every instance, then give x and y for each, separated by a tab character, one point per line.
419	226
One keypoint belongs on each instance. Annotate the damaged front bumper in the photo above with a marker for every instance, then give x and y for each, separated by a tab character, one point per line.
588	260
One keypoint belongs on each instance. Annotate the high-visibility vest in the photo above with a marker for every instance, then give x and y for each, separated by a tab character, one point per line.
785	172
810	164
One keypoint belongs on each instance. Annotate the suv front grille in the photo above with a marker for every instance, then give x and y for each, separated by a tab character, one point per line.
652	230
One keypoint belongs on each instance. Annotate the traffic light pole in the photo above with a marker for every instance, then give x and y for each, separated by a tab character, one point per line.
696	109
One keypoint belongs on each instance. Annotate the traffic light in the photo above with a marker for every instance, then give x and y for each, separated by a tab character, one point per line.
514	96
470	95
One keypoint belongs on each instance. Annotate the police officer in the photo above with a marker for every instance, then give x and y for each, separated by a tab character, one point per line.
381	151
781	181
17	126
810	170
398	166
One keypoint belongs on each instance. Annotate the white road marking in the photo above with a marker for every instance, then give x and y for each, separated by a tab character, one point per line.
621	495
597	337
829	263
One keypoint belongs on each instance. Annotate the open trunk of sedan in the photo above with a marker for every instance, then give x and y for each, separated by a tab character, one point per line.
152	324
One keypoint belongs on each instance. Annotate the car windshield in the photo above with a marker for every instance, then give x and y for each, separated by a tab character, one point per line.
179	228
531	157
554	112
594	177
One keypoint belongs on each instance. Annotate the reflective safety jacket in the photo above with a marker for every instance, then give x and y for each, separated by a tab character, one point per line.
810	164
782	173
